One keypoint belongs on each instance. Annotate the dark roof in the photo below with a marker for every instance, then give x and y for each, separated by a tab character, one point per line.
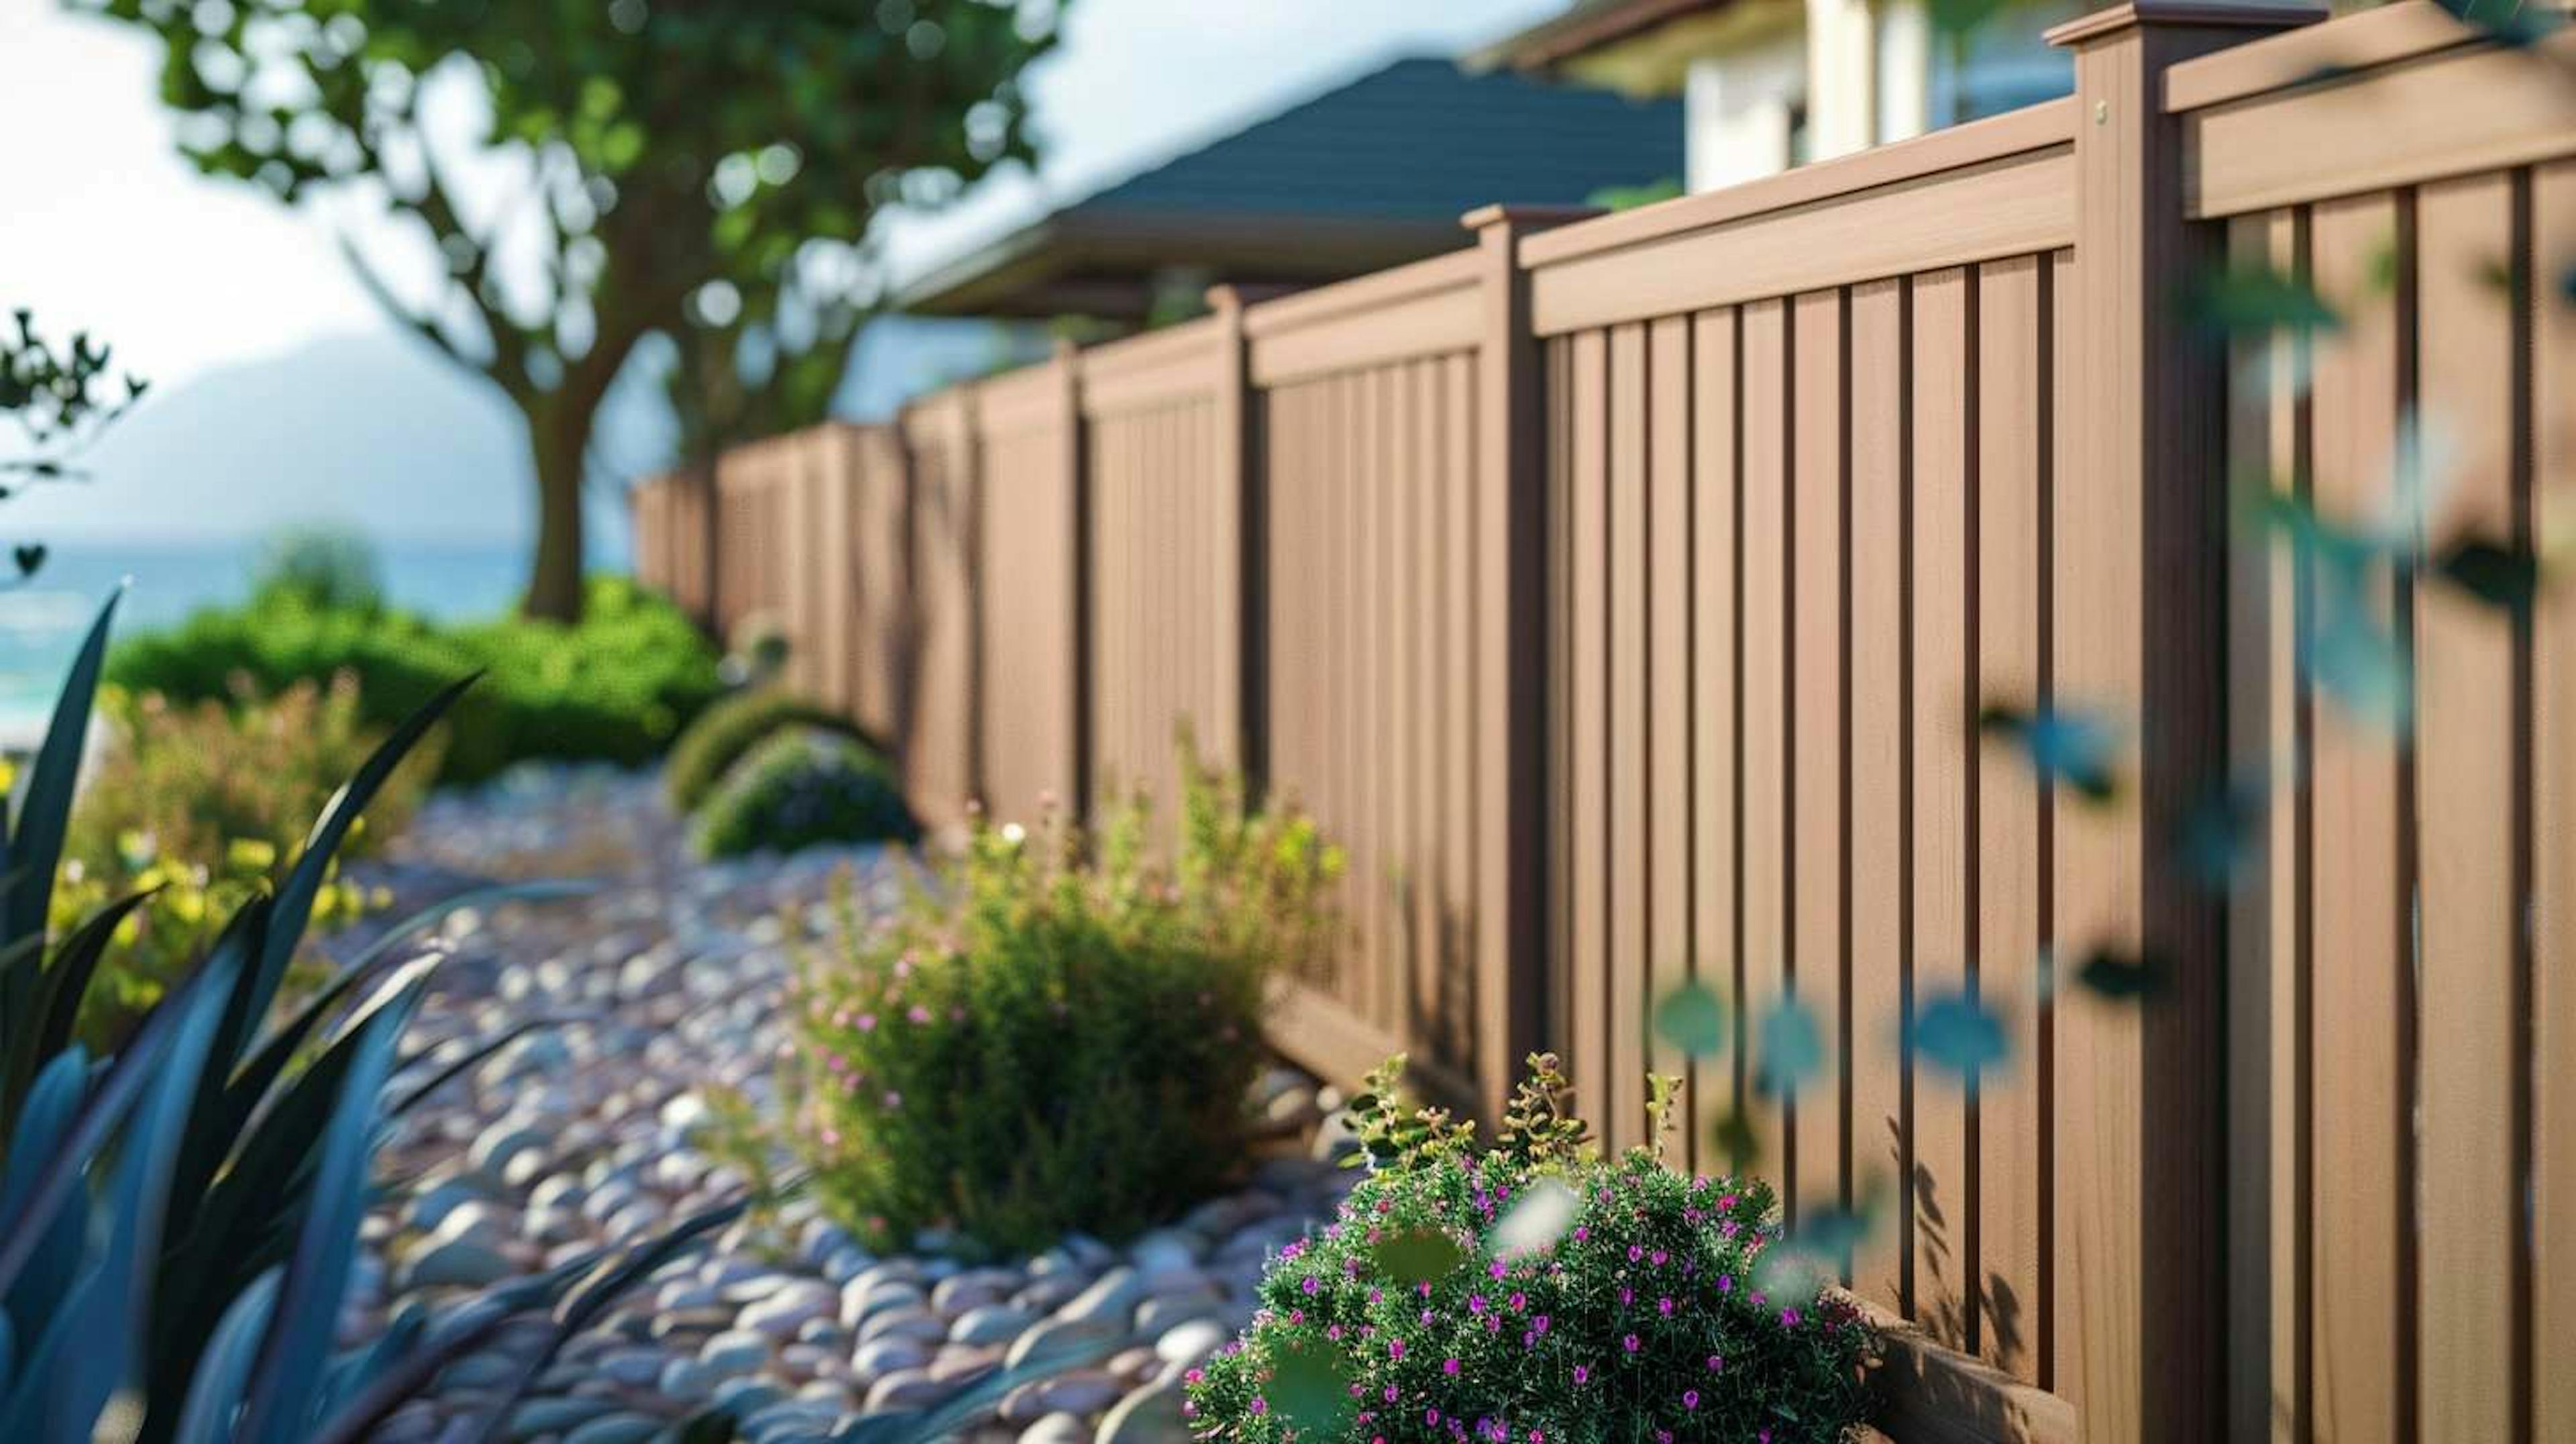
1587	25
1369	175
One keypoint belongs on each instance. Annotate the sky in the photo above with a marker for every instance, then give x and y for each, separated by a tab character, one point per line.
104	227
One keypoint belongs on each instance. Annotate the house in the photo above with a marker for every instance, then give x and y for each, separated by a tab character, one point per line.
1769	84
1369	175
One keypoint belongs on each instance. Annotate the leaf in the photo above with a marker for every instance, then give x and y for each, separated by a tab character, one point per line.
1417	1256
35	841
2061	746
2362	668
2215	839
2108	973
2260	300
1536	1219
1956	1033
1310	1387
2503	577
1793	1047
1692	1018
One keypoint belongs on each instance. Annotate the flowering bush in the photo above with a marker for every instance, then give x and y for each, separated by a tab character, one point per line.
1539	1294
196	805
800	787
1039	1043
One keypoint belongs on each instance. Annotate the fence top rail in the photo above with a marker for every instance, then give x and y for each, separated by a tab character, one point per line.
942	415
1032	396
2044	126
1187	342
2367	40
1326	304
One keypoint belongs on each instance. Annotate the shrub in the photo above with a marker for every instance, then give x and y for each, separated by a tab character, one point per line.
801	787
615	687
320	567
731	727
1037	1044
1535	1291
198	804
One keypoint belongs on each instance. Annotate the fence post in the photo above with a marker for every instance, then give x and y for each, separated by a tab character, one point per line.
1076	460
2140	582
1240	571
1511	822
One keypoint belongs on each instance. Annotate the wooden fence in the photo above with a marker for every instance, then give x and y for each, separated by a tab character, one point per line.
1622	593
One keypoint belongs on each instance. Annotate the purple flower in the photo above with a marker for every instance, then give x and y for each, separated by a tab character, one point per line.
1395	1348
1449	1366
1629	1343
1690	1398
1582	1375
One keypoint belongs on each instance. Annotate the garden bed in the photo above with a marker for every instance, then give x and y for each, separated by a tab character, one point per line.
667	983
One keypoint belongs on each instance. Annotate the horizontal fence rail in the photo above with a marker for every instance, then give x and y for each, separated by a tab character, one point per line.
1624	592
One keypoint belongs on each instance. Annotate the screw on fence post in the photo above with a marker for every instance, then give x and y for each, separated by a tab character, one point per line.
1510	547
2141	1321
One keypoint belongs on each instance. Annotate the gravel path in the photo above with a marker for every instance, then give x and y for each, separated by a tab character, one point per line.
583	1133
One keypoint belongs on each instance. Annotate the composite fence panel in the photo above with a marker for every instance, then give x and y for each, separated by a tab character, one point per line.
941	736
1803	488
1028	574
2405	958
1164	608
1368	455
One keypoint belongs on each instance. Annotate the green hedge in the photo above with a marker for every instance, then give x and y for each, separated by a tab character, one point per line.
617	687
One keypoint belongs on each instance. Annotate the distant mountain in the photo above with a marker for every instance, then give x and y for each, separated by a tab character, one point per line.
376	432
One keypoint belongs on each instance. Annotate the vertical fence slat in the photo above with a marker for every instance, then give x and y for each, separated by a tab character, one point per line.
1765	799
2553	1036
1461	921
1879	369
1812	1172
1629	860
2359	895
2006	956
2470	815
1671	791
1717	955
1945	1268
1588	541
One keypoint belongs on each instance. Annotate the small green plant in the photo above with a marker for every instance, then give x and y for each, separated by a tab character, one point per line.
1537	1291
733	726
1039	1043
800	788
195	807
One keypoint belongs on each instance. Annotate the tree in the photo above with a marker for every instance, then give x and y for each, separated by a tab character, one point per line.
60	401
634	166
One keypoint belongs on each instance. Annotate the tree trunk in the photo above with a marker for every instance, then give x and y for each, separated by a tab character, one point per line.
559	437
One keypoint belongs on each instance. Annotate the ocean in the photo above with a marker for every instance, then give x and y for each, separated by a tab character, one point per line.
42	621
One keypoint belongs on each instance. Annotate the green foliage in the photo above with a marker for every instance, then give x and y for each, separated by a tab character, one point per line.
1040	1044
801	787
663	168
615	687
323	568
731	727
195	806
1583	1301
1628	198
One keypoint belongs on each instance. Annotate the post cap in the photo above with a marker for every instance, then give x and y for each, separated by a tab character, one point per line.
2189	14
1527	217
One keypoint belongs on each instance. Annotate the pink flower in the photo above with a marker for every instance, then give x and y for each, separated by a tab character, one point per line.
1690	1398
867	1022
1629	1343
1582	1375
1395	1348
1449	1366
